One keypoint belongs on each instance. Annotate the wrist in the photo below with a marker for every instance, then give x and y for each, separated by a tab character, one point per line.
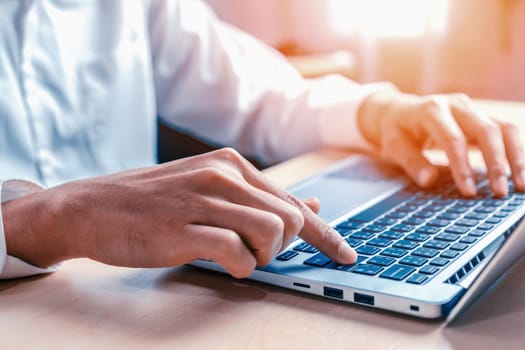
373	110
33	232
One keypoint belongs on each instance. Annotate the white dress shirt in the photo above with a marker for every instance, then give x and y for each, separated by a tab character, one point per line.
82	81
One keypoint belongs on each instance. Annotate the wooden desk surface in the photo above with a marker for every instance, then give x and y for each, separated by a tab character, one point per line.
87	305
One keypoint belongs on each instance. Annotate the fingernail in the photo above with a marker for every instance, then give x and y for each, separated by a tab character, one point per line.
470	186
424	177
346	254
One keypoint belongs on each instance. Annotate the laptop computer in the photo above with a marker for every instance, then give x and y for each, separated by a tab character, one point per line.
428	254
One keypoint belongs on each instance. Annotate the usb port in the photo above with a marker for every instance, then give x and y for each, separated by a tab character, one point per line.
333	292
363	299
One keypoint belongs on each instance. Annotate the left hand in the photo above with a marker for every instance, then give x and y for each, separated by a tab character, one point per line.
402	125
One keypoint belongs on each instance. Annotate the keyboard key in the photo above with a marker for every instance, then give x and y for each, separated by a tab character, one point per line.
429	269
459	230
458	209
493	221
476	216
287	255
319	260
413	221
449	254
438	223
354	242
397	272
343	231
350	225
434	207
362	235
413	260
428	229
418	237
425	252
448	216
404	244
459	246
485	209
468	240
477	233
379	242
373	228
423	214
485	227
417	278
402	228
408	208
367	269
449	237
335	266
467	222
381	260
435	244
390	235
385	221
501	214
396	215
394	252
439	262
367	250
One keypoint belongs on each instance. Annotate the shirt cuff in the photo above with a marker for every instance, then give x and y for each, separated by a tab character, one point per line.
338	124
12	267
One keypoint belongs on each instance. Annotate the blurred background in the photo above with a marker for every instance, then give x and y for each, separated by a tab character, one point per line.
423	46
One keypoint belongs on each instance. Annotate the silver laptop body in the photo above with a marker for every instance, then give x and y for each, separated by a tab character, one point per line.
363	188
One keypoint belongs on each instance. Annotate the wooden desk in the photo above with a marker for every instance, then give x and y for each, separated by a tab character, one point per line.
87	305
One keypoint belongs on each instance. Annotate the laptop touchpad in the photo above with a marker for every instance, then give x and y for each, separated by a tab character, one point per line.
348	188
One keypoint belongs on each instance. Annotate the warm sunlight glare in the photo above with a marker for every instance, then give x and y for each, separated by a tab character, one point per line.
389	18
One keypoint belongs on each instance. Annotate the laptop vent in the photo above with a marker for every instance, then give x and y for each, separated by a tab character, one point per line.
463	271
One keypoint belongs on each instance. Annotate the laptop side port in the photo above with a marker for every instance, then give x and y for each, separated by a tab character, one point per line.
333	292
302	285
363	299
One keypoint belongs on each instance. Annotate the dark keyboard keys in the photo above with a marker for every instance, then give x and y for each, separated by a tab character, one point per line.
417	278
467	222
428	230
385	221
362	235
459	246
402	228
390	235
397	272
367	269
404	244
435	244
373	228
468	240
418	237
318	260
449	254
459	230
394	252
413	261
485	227
425	252
379	242
439	262
448	237
305	248
477	233
287	255
424	214
354	242
381	260
336	266
366	250
429	269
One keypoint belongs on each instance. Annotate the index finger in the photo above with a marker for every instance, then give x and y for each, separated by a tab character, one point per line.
315	231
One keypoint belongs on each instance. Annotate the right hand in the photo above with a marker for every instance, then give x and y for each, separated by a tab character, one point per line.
214	206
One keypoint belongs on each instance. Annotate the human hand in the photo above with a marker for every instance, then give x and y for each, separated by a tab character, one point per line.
214	206
402	125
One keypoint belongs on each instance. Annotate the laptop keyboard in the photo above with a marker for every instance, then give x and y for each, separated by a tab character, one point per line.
413	234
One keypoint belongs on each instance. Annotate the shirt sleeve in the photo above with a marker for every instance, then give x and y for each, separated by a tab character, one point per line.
226	87
12	267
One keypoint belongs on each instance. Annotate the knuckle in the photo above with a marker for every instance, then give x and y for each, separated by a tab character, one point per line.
275	224
228	245
489	129
295	221
460	98
231	155
508	126
431	106
498	170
